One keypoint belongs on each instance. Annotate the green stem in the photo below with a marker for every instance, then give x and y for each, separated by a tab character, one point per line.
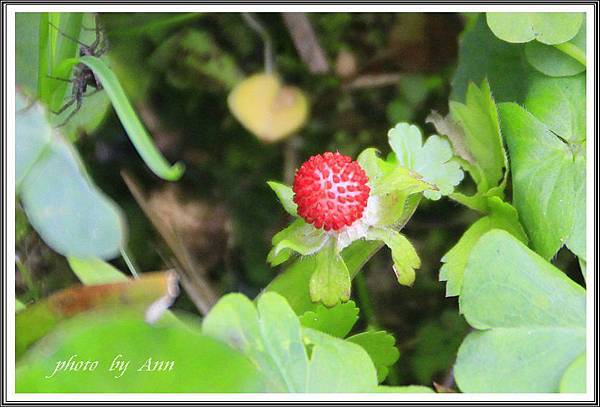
366	306
573	51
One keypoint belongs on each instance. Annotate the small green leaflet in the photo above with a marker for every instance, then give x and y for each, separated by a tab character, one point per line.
479	120
501	216
339	320
548	178
271	336
336	321
330	281
547	28
432	160
298	237
405	257
528	315
285	196
381	347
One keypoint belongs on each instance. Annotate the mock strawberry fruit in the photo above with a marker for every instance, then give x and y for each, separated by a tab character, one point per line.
331	191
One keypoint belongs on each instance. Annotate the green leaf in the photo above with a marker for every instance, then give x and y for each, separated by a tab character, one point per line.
299	237
431	160
547	176
271	336
336	321
405	257
66	49
132	124
70	214
285	196
33	135
19	306
530	318
381	347
93	271
330	281
547	28
200	364
566	59
330	356
66	209
501	216
574	379
560	104
403	389
479	120
483	56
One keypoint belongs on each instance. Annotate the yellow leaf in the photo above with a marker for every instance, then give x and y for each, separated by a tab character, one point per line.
267	108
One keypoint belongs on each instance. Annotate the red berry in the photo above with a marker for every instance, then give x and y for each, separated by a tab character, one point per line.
331	191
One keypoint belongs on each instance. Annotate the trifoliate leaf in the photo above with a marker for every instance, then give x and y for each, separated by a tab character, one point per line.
548	28
336	321
299	237
330	281
381	347
431	160
548	177
271	336
285	196
479	120
405	257
501	216
530	320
